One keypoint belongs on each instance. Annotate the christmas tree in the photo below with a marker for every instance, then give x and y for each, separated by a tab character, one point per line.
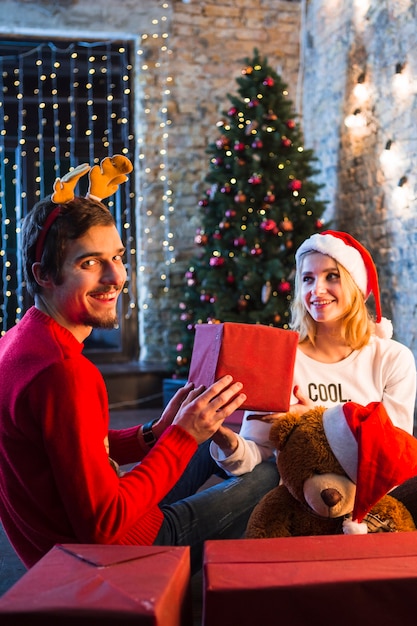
259	206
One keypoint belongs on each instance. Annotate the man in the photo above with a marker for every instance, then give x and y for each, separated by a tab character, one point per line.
58	458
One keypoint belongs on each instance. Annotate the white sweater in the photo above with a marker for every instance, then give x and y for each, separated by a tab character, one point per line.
384	370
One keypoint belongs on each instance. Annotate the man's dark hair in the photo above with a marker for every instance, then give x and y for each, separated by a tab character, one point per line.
75	218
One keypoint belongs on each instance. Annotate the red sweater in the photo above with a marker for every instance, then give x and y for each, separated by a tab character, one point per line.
56	482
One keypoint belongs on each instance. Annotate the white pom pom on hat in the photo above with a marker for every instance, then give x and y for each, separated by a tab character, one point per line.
356	259
375	454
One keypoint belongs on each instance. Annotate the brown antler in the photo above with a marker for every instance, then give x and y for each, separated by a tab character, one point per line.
106	177
64	187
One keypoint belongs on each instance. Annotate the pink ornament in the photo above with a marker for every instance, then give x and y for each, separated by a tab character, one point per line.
257	144
203	202
256	251
230	213
217	261
239	242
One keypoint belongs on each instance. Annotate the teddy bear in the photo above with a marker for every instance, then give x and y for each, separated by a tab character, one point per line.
336	468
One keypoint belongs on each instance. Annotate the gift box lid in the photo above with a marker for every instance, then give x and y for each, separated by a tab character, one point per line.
123	583
342	579
261	357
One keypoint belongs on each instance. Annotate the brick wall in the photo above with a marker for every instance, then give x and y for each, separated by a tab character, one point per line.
189	55
367	38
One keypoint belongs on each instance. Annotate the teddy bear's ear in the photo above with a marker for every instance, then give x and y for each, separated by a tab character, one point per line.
282	429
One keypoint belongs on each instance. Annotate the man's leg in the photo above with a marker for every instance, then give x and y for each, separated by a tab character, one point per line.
219	512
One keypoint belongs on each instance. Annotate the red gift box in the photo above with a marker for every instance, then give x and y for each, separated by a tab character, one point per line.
261	357
95	584
341	579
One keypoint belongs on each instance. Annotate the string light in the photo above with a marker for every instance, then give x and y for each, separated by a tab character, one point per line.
38	92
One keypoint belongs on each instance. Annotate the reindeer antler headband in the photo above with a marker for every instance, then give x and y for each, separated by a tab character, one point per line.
104	180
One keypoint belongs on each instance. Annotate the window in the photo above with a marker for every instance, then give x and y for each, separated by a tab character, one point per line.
64	103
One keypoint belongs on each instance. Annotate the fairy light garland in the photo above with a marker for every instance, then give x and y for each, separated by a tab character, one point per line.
155	209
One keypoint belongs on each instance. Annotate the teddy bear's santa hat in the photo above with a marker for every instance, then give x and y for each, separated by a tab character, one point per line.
375	454
356	259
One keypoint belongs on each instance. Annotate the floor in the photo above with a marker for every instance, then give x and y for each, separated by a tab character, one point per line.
11	568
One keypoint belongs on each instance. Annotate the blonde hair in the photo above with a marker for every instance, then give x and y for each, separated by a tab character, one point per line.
357	324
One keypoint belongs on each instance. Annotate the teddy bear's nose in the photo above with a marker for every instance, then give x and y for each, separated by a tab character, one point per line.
330	497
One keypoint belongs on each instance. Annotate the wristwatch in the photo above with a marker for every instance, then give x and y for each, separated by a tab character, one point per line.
148	434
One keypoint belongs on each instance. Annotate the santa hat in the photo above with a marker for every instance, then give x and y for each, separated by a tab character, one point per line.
357	261
375	454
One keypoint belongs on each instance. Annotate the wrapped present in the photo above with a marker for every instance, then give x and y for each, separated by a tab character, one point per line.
77	584
333	579
261	357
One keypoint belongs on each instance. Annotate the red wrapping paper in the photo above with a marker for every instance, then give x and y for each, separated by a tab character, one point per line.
341	579
261	357
94	584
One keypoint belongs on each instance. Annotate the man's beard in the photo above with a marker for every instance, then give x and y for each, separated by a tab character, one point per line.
108	323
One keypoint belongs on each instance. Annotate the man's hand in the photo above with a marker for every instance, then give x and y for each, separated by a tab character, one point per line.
202	411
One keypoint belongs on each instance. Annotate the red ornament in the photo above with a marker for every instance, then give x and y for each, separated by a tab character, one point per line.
284	287
253	103
217	261
295	184
230	213
203	202
201	239
226	189
230	279
257	144
270	197
319	224
239	146
255	179
217	235
256	251
239	242
285	142
290	124
232	111
269	226
268	82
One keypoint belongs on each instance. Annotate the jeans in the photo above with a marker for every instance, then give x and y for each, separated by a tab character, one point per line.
218	512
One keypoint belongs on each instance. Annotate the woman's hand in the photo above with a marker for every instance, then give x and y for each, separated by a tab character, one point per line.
226	439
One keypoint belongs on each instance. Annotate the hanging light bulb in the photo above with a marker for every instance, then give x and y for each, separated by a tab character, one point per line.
355	120
400	81
360	90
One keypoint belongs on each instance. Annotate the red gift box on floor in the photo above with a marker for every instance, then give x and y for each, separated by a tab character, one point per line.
94	584
261	357
340	580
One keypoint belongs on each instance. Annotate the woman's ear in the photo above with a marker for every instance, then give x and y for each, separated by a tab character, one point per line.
41	279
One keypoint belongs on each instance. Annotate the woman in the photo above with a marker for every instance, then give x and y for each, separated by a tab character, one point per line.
343	355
